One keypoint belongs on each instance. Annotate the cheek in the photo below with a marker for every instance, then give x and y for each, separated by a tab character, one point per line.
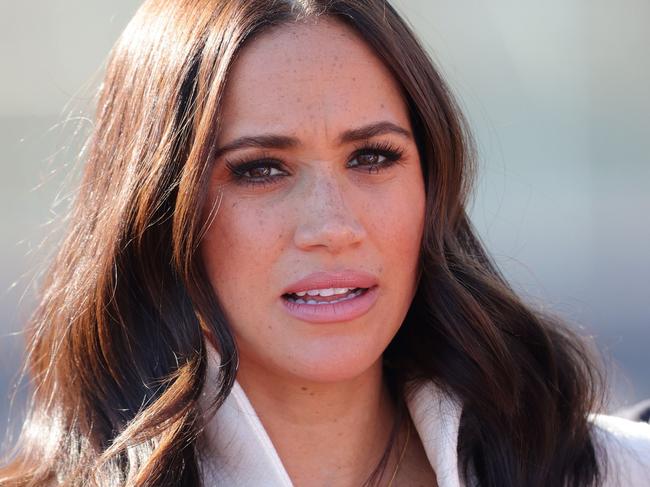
397	224
397	220
237	249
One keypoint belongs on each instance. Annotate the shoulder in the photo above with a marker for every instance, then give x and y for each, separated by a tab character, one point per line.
625	446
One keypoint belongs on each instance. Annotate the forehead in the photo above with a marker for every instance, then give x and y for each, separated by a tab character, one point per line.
305	78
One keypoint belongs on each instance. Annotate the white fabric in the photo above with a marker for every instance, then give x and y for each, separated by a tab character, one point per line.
237	451
627	445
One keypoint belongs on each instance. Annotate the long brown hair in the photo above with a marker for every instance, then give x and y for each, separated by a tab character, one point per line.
117	353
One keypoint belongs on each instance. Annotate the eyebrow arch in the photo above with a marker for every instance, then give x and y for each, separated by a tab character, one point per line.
264	141
372	130
272	141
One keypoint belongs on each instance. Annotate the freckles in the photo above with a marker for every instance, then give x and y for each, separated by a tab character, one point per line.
261	221
396	226
258	227
367	208
378	270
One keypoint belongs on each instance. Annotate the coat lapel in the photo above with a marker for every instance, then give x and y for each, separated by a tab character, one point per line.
235	448
237	451
436	417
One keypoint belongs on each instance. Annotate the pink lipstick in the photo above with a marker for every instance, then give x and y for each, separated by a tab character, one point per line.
331	297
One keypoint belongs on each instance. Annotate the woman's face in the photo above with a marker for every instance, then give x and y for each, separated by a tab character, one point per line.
318	187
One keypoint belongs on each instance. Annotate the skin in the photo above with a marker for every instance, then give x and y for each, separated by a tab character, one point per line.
317	388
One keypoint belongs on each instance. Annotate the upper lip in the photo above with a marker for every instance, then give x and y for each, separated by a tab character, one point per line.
325	280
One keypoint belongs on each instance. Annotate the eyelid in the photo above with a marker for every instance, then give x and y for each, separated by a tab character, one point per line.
392	152
238	168
243	165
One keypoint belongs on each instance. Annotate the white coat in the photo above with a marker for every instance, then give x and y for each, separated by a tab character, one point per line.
236	450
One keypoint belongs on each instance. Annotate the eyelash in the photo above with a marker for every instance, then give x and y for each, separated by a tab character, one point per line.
238	169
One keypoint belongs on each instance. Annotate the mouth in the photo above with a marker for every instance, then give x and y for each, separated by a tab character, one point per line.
324	296
337	307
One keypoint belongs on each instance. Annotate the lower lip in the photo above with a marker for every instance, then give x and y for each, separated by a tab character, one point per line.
333	313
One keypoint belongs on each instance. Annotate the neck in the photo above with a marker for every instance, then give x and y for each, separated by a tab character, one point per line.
324	433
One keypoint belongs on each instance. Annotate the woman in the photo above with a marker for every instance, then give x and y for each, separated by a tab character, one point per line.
270	277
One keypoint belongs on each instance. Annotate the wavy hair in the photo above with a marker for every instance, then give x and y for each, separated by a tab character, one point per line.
117	349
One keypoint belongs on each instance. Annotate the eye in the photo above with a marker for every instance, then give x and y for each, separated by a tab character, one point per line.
372	161
375	157
260	171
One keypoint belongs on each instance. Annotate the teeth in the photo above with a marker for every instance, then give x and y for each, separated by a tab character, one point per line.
325	292
313	301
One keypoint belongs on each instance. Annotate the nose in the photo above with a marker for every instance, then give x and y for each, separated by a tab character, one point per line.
326	220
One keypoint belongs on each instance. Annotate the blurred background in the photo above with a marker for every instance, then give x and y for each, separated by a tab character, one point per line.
557	94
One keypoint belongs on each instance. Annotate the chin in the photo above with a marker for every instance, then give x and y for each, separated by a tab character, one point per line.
334	363
322	353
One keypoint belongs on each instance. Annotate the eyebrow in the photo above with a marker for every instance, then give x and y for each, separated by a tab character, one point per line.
372	130
273	141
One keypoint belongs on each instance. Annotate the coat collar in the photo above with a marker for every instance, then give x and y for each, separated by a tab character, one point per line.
237	451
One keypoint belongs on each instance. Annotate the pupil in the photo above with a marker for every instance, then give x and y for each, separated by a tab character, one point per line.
260	172
370	159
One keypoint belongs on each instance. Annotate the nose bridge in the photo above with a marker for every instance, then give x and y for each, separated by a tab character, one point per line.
327	217
326	196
